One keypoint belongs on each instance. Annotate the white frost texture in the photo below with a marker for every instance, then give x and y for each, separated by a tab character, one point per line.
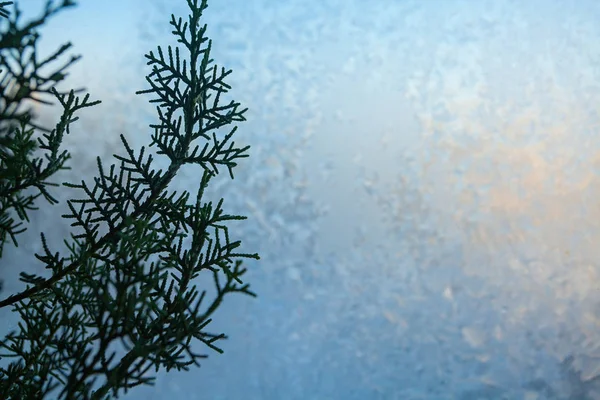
423	189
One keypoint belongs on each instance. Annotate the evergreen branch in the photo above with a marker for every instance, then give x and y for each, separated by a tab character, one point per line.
17	84
17	171
106	291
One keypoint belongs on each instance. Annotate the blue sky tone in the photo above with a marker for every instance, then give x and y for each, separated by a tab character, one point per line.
422	188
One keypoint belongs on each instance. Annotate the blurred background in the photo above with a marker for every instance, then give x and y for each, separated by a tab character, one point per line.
422	189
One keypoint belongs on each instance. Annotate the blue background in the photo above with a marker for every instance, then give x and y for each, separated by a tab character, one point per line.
422	189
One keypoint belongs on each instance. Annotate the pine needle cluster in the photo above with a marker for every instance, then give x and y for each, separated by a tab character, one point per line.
106	291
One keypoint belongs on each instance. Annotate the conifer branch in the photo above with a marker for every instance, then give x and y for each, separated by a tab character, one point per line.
21	80
107	291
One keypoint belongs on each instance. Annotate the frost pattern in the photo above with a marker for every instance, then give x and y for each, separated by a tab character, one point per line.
422	189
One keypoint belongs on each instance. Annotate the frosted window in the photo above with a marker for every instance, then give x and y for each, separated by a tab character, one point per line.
422	188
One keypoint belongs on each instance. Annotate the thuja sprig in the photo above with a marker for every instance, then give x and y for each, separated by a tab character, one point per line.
22	79
18	172
107	291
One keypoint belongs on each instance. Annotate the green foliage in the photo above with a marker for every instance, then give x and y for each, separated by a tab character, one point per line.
23	79
107	292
